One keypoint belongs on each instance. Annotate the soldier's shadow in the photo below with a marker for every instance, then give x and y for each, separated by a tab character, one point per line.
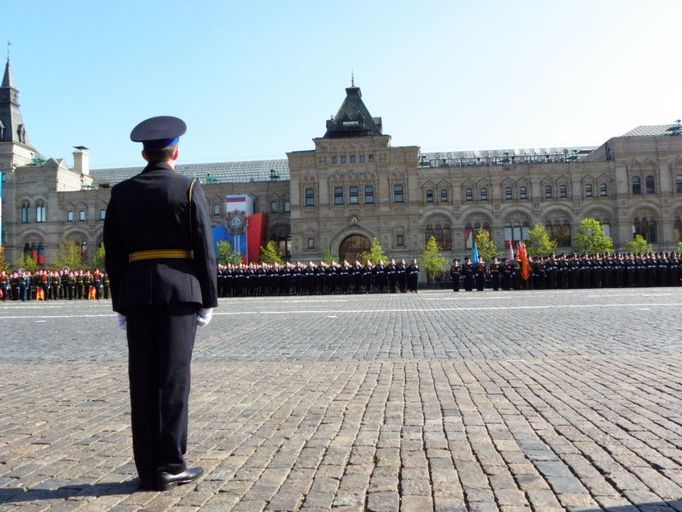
69	491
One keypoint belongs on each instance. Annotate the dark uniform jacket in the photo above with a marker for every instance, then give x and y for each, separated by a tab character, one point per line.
152	211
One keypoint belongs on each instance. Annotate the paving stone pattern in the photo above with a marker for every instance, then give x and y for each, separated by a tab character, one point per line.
523	401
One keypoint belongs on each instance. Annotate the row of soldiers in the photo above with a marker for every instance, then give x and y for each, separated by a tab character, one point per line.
570	271
54	284
317	278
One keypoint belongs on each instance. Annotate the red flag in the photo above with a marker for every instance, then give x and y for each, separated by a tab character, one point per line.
523	260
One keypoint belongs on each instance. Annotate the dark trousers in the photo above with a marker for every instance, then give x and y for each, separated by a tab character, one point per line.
160	343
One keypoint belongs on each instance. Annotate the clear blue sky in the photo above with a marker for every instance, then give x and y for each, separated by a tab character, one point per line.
256	79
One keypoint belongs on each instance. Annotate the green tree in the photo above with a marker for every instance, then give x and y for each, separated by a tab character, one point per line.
98	260
269	253
590	238
539	242
226	254
28	263
638	245
68	255
3	263
375	254
432	260
679	247
486	247
328	257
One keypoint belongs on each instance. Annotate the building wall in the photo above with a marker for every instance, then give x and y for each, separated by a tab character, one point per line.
615	164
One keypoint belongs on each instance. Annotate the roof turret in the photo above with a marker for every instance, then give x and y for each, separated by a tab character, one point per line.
353	119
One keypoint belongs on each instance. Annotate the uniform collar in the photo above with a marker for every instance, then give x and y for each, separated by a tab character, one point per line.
157	166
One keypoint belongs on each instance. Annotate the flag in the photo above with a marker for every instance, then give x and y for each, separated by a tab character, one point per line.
523	260
475	254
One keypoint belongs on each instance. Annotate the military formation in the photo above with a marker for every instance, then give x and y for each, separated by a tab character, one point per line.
566	271
54	284
317	279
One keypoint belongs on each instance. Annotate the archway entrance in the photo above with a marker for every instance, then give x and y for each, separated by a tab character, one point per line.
352	247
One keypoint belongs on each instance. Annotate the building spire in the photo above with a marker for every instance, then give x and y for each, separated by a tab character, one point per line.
12	127
352	75
9	43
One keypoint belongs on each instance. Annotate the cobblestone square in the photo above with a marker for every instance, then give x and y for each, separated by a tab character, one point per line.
535	401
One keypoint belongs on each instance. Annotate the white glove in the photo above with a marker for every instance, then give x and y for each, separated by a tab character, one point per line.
122	323
204	316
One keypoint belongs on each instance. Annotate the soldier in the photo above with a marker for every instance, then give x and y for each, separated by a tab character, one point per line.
413	275
4	285
494	272
160	258
468	274
480	274
455	274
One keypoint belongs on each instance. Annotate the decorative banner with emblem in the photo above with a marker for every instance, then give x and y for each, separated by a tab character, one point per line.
236	222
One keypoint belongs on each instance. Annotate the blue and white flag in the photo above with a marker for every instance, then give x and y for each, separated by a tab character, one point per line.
474	257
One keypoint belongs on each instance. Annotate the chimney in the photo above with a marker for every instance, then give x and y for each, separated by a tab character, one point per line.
81	160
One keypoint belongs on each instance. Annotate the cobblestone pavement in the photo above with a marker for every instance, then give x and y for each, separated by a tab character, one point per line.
488	401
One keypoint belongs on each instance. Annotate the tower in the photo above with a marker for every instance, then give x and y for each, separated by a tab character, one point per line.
15	146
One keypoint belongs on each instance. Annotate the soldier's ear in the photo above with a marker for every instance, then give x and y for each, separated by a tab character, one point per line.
176	153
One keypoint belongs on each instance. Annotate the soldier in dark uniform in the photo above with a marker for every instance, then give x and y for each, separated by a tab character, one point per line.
413	276
480	275
468	274
455	274
161	263
494	272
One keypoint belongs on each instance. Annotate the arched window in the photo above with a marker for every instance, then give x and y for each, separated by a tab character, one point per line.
606	227
603	190
25	212
588	190
468	194
470	230
646	227
636	185
516	231
442	233
41	211
559	231
650	185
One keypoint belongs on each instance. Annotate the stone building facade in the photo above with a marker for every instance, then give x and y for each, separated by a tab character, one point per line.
355	186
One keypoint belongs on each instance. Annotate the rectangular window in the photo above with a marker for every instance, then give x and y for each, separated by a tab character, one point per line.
311	243
563	191
102	214
370	158
484	194
444	195
588	190
429	196
216	209
398	194
468	195
353	195
69	216
362	158
400	240
678	183
334	160
603	190
274	206
41	213
343	159
338	195
548	191
287	206
81	215
369	194
523	193
309	197
352	159
508	193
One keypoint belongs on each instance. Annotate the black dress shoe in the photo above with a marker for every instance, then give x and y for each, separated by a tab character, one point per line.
167	481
